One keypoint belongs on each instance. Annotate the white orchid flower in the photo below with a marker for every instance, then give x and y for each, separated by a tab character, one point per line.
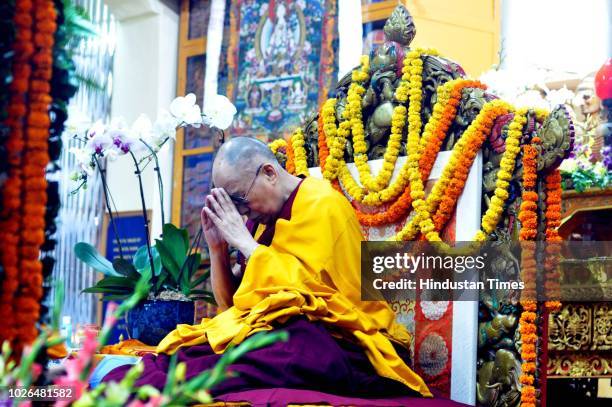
96	130
219	112
118	124
112	154
165	126
142	128
98	142
83	159
77	123
81	155
185	110
118	131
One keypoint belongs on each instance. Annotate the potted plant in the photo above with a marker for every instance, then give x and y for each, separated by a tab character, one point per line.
172	286
169	265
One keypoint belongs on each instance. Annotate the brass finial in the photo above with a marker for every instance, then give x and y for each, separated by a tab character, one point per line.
400	26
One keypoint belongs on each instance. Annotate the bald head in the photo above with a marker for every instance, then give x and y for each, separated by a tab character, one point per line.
241	150
247	169
239	157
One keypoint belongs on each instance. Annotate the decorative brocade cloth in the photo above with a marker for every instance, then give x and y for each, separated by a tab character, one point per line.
309	269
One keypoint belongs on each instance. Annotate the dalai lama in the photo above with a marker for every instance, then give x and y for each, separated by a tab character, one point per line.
301	273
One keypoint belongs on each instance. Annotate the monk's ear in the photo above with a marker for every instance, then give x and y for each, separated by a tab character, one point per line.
270	172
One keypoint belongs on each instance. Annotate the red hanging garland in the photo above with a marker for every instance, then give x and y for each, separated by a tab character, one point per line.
10	226
529	223
553	249
35	161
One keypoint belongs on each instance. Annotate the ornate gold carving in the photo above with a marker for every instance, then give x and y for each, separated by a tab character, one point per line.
577	365
581	327
570	328
602	326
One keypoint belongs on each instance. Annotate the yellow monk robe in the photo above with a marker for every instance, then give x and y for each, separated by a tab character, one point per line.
311	268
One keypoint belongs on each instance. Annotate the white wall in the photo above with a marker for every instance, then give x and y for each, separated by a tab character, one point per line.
560	35
145	74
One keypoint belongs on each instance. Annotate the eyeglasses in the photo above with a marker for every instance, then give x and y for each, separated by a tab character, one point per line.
242	202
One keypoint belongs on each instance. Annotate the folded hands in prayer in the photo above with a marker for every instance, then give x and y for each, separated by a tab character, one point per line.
222	224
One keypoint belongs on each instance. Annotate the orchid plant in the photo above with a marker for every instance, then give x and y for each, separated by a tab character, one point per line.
145	137
141	141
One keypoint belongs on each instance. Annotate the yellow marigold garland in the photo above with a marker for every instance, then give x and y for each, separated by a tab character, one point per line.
413	69
336	138
467	145
330	130
277	144
434	133
398	121
374	194
299	152
493	214
353	123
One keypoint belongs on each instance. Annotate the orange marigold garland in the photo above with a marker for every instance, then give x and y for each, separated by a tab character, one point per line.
465	149
36	158
529	223
290	165
528	211
12	199
553	249
433	135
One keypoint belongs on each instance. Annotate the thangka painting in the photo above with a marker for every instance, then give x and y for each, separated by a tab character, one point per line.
281	63
373	35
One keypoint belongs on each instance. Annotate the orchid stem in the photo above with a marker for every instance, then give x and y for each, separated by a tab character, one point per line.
159	182
149	156
146	219
108	207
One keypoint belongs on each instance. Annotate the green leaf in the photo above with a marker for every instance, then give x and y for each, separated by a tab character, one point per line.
195	283
161	281
141	260
105	290
116	297
193	264
90	256
54	342
178	237
200	292
175	244
188	270
168	260
125	268
57	305
170	378
116	282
